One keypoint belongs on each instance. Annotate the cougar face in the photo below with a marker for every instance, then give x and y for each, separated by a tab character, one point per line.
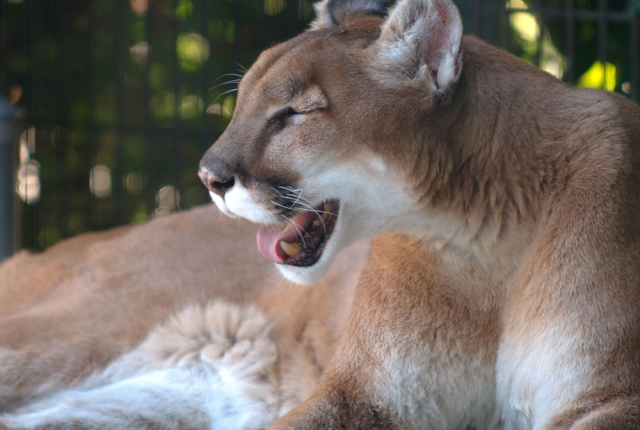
305	156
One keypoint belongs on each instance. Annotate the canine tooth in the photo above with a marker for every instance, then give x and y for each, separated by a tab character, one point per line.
290	248
316	223
328	207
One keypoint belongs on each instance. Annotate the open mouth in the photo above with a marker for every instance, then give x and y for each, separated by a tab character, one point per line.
302	240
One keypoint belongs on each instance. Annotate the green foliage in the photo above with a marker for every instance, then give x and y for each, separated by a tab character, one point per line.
139	89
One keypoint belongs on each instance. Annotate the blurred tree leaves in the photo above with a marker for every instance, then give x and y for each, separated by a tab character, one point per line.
130	90
121	100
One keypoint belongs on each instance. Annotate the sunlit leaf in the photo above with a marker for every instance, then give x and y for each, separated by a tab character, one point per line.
228	105
230	32
49	236
163	105
184	9
273	7
192	50
526	25
599	76
191	107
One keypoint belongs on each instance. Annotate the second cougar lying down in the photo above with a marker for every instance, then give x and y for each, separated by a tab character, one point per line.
178	323
502	289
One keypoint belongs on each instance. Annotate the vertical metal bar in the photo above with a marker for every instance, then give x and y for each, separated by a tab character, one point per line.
503	26
635	53
266	30
4	84
89	127
149	131
295	26
569	40
10	224
119	15
475	13
8	138
206	74
235	14
61	116
540	20
32	106
602	37
177	132
33	81
490	13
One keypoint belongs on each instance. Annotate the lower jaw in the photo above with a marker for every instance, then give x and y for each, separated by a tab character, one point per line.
303	259
303	275
305	263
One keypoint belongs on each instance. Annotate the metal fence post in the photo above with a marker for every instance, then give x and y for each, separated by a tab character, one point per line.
8	138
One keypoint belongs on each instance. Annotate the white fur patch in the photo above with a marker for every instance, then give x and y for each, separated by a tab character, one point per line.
239	202
323	18
426	392
371	200
540	374
206	368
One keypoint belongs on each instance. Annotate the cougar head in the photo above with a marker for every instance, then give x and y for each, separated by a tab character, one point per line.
333	130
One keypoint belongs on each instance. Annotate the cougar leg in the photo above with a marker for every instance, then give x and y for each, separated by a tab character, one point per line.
418	352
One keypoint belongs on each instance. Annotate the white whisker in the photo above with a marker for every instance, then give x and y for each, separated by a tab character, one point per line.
298	203
235	81
237	75
297	229
233	90
283	206
306	205
298	200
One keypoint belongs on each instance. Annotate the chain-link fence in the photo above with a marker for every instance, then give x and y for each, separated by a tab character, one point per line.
118	99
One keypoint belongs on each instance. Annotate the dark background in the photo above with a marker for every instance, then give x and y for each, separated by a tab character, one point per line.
118	99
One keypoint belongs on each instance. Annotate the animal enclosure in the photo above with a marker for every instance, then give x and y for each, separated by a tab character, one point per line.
118	100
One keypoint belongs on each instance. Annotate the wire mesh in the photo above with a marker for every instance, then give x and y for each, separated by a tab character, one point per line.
119	99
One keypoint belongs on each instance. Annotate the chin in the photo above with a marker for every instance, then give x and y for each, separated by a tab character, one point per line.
305	275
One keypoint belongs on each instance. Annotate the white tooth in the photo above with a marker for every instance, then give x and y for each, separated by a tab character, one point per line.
316	223
290	248
328	207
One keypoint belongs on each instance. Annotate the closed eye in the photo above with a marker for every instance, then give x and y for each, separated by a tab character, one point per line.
282	115
289	111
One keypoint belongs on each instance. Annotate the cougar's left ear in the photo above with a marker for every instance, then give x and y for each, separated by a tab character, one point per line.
422	39
332	13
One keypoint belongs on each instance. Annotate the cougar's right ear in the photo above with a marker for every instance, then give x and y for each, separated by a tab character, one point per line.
333	13
422	39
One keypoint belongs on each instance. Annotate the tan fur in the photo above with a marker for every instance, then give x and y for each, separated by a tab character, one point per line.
69	312
505	291
502	289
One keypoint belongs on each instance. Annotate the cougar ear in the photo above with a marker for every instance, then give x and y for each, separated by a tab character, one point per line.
422	39
332	13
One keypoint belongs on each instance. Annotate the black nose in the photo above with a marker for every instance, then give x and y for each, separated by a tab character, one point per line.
214	183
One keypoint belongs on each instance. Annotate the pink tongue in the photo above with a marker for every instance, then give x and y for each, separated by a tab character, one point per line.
270	236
